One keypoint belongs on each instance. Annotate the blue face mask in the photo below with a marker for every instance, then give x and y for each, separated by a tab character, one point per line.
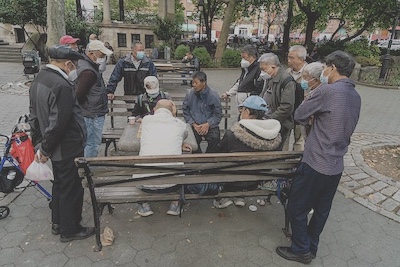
324	79
140	54
304	84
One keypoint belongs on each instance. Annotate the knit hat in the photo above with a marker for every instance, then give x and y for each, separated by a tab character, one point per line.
151	85
267	129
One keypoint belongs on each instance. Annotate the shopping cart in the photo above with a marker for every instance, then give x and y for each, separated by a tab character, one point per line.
31	62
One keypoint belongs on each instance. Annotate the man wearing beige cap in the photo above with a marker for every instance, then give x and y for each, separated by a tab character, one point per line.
91	94
70	41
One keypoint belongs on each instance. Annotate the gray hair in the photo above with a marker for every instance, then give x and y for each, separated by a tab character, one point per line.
134	43
269	59
314	69
301	51
250	50
201	76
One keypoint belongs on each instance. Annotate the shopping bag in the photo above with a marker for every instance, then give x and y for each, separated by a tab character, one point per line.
22	150
38	171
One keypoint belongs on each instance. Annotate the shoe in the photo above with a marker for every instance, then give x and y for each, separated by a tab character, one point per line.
223	203
287	253
273	185
85	232
311	212
174	210
240	202
145	210
55	229
313	256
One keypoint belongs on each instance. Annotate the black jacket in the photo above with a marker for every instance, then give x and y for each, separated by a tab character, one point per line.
57	124
248	83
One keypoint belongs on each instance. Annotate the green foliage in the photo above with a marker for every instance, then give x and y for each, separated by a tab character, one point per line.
366	55
366	61
167	29
20	12
181	51
329	47
80	28
231	58
204	57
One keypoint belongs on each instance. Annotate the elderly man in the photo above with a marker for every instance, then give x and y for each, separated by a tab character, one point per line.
134	67
297	62
336	109
58	132
278	94
203	111
70	41
91	94
247	83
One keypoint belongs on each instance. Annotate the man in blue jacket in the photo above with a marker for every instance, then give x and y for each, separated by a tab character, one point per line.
134	67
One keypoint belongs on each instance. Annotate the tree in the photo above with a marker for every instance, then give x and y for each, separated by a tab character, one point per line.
168	30
223	38
55	21
211	9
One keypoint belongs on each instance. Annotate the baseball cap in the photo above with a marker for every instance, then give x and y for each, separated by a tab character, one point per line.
68	39
99	45
254	102
151	84
64	52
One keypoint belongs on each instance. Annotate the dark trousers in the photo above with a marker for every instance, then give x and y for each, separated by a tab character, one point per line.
67	196
310	190
212	137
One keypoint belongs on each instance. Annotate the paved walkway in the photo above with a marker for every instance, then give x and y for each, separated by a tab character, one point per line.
362	230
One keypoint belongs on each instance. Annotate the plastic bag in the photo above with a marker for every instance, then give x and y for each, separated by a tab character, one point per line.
22	150
38	171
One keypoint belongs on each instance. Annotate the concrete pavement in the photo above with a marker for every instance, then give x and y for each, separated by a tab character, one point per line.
362	230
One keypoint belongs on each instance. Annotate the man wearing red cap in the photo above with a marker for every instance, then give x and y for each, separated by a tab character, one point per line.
70	41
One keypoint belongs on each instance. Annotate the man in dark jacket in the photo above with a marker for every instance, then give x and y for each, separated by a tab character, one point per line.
248	82
190	60
91	94
251	133
134	67
59	133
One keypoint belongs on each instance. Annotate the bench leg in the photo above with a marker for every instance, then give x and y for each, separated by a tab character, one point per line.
283	198
107	146
96	218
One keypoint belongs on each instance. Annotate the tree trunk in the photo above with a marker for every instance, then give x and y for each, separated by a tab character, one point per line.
312	18
223	38
78	9
55	21
286	30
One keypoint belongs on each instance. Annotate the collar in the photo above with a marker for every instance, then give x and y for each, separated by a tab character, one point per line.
278	75
163	111
54	67
202	93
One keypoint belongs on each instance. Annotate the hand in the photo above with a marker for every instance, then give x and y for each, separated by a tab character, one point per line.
139	120
110	96
196	127
224	96
186	148
204	128
41	158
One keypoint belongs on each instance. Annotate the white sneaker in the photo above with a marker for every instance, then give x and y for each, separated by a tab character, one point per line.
223	203
240	202
145	210
174	210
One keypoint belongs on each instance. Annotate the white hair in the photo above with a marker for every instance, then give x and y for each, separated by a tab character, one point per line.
269	59
300	50
314	69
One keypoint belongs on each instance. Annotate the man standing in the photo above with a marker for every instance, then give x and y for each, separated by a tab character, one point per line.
336	108
91	94
278	95
70	41
297	62
203	111
134	67
58	132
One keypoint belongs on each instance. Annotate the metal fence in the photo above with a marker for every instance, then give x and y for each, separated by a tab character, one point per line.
370	75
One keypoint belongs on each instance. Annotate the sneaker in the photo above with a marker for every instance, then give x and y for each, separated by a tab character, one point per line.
174	210
145	210
223	203
311	212
272	185
240	202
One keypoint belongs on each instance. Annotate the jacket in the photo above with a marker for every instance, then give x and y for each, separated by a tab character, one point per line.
194	62
280	100
57	125
133	78
145	105
248	83
96	102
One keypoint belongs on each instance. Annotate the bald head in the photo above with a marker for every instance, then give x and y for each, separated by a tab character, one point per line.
93	37
165	103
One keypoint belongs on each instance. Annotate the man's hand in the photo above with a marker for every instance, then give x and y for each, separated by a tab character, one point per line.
224	96
203	128
187	148
110	96
40	158
139	120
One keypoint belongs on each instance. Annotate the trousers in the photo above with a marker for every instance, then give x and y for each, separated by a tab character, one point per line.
94	128
212	137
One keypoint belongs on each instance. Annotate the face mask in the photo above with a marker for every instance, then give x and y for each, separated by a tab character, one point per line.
72	76
140	54
100	60
324	79
153	95
264	75
304	84
244	63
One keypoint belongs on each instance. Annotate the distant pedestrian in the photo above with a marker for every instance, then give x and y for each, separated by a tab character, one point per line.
70	41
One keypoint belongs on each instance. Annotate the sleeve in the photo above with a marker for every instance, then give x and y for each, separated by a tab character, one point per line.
309	107
285	108
152	69
234	88
116	76
60	112
258	84
216	111
86	80
186	109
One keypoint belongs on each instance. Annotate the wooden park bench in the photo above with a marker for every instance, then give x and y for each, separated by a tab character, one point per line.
115	180
118	115
173	72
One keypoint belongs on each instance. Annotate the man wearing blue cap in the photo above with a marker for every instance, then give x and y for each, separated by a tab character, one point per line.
59	133
251	133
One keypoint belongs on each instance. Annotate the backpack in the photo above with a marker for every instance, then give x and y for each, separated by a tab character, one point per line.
143	99
298	93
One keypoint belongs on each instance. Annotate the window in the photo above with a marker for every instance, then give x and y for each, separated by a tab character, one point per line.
148	41
121	40
135	38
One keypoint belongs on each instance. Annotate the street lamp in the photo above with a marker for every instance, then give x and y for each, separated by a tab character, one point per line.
386	57
200	7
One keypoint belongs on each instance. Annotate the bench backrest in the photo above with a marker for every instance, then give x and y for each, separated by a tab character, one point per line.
118	108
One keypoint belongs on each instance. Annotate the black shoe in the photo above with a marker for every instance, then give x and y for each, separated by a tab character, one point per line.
55	229
84	233
287	253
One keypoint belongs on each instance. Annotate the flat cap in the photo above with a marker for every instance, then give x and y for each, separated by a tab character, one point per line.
64	52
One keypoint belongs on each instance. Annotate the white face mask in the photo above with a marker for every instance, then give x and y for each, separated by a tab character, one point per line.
264	75
73	75
244	63
100	60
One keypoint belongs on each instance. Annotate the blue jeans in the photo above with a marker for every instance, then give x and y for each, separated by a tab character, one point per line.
94	127
310	190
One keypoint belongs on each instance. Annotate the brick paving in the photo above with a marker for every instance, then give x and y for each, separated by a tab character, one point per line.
363	228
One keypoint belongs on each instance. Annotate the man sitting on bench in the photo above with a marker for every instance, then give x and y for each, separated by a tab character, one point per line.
251	133
162	134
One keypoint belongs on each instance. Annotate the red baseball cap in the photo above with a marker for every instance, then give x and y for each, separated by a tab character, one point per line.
68	39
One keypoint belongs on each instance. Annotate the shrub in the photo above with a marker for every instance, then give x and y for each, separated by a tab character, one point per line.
231	58
204	57
181	51
366	61
365	54
329	47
